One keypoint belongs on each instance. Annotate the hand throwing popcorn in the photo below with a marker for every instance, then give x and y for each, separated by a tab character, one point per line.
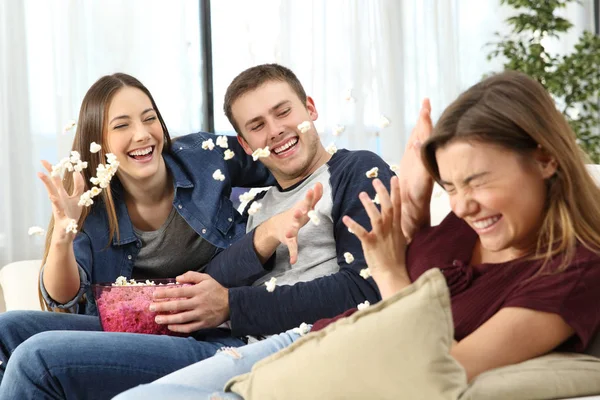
331	149
228	155
261	153
271	284
372	173
364	305
222	142
314	217
36	230
95	147
218	175
348	257
254	207
208	144
304	126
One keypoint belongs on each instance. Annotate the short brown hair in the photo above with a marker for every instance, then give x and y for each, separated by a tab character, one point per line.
514	111
253	78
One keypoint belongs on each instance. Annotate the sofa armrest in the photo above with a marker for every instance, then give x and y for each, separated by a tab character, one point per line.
19	283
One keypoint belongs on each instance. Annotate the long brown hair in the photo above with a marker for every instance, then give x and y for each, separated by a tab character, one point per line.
515	112
91	127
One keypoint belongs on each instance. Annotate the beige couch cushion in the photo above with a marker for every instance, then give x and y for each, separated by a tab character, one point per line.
554	376
396	349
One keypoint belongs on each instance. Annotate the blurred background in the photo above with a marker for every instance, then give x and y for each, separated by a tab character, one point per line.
362	61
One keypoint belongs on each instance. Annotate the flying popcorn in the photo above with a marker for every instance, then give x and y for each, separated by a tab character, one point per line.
70	125
36	231
372	173
222	142
348	95
302	330
271	284
95	147
72	226
247	197
365	273
314	217
304	126
376	199
105	172
395	168
254	207
208	144
364	305
331	149
338	129
383	122
261	153
218	175
348	257
228	155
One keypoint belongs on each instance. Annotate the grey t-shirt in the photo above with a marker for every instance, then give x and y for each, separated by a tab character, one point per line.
172	250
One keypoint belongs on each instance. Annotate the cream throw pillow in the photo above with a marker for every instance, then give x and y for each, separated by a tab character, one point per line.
553	376
396	349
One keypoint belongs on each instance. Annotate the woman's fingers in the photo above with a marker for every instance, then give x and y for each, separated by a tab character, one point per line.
78	184
384	199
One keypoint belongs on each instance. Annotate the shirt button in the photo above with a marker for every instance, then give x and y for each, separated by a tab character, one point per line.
138	245
181	148
204	230
179	206
229	219
129	257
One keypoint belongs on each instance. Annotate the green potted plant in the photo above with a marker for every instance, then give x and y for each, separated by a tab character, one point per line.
573	79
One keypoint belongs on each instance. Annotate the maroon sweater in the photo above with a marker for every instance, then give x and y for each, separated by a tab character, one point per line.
480	291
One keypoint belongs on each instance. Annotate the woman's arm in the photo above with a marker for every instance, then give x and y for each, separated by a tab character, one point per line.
511	336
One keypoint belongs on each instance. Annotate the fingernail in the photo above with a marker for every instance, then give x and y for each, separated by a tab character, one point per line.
158	320
152	307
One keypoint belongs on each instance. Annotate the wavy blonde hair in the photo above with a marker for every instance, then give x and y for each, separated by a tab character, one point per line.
91	127
514	111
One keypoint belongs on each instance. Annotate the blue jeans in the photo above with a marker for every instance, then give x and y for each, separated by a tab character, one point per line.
206	379
64	356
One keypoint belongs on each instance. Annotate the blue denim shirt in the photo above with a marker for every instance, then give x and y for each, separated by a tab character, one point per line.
201	200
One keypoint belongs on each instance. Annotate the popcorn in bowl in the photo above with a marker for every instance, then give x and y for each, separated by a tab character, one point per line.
124	306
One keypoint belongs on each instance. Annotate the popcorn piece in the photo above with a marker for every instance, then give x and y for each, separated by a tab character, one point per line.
383	122
338	129
372	173
349	257
365	273
271	284
331	149
75	156
111	159
376	199
85	200
222	142
95	147
302	330
314	217
121	281
364	305
228	155
80	166
254	207
208	144
95	191
247	197
261	153
304	126
36	230
351	231
72	227
218	175
395	168
70	125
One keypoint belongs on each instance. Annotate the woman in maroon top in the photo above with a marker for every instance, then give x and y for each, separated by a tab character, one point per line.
519	250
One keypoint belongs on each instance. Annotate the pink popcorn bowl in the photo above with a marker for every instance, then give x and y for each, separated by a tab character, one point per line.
126	308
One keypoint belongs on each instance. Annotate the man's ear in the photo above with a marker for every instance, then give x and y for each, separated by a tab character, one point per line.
546	163
244	144
312	109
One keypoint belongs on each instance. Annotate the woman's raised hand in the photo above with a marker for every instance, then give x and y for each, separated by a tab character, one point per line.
64	205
